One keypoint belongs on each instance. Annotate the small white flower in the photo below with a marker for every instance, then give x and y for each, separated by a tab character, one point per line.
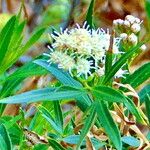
115	23
61	39
133	39
100	42
137	20
130	18
123	36
55	57
143	47
121	73
83	66
135	27
126	23
81	39
67	63
63	60
120	21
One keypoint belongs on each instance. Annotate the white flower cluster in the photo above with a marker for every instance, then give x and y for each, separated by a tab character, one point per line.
81	50
129	29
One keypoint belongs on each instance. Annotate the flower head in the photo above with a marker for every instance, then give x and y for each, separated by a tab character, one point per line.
80	50
83	67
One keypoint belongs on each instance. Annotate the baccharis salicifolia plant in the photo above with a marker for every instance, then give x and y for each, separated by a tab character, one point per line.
92	68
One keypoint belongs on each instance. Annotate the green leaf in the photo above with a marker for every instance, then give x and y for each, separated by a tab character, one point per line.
74	139
144	95
34	38
12	127
17	34
147	104
89	15
64	77
19	75
139	76
107	94
5	142
130	140
108	62
144	92
5	37
121	62
108	124
45	94
40	147
45	113
29	69
60	74
134	110
58	114
3	145
88	124
55	145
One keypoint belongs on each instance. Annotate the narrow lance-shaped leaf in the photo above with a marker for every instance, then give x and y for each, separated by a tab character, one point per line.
45	113
139	76
64	77
134	110
61	75
144	95
19	75
45	94
18	30
108	124
130	140
55	145
74	139
34	37
147	104
89	16
58	114
108	94
5	37
5	142
88	124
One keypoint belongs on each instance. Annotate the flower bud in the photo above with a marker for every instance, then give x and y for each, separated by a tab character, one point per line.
143	47
120	21
130	18
135	28
115	23
123	36
133	39
137	20
126	23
